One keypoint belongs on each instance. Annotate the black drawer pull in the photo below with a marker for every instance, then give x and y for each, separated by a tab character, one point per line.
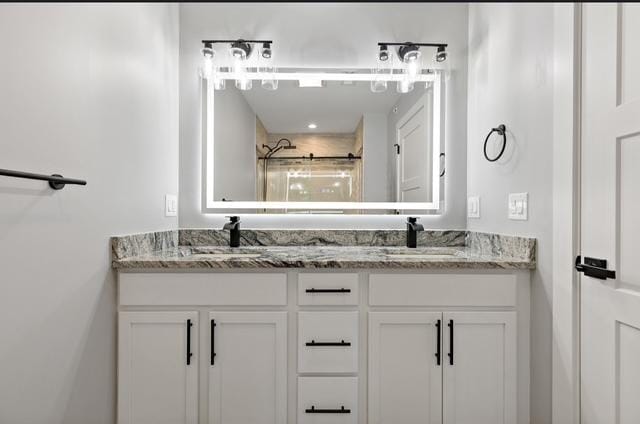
313	410
341	290
438	337
450	325
340	343
189	354
213	342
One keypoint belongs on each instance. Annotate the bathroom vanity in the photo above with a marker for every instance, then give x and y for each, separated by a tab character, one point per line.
342	327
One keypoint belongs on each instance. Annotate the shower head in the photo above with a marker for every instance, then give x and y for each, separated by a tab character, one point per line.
273	150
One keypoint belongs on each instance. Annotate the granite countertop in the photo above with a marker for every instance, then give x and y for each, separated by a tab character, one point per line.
351	257
204	251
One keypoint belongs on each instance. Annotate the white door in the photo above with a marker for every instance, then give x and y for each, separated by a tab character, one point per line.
610	213
414	159
158	368
247	367
405	375
480	374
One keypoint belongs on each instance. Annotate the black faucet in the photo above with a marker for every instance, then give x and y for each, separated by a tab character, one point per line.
234	230
412	231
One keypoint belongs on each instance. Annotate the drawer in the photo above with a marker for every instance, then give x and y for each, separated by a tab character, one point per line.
442	290
328	342
321	400
328	289
217	289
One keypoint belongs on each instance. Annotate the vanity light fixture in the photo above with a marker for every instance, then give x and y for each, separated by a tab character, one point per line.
266	50
382	70
383	54
210	72
207	64
240	50
266	68
409	53
441	54
207	50
312	126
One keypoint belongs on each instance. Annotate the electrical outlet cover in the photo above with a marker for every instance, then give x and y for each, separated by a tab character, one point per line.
473	207
518	207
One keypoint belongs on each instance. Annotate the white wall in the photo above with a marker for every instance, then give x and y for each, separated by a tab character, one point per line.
89	91
324	35
235	146
511	82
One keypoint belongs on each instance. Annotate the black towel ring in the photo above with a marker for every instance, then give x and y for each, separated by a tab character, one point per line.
501	130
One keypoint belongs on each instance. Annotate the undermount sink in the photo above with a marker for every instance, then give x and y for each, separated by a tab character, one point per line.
227	255
419	255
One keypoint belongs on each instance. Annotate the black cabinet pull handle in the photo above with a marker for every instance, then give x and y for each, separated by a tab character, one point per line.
340	290
340	343
450	342
213	341
313	410
189	354
438	336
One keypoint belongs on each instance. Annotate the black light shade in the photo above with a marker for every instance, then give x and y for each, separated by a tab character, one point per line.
441	54
207	50
266	50
240	49
383	54
409	53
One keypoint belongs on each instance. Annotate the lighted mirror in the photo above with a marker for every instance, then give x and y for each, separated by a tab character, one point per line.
324	144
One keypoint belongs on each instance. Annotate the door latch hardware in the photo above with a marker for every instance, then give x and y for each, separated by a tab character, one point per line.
593	267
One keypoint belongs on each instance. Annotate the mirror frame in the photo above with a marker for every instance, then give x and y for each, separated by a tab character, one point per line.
212	206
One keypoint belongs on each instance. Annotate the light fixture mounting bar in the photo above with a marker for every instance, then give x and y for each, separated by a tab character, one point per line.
414	44
240	40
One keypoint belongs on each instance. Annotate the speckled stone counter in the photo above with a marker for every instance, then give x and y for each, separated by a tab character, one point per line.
340	249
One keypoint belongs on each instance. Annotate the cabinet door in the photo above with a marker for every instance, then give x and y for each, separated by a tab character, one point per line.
405	379
158	368
479	368
248	368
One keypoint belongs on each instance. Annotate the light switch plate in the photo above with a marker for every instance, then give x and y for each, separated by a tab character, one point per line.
473	207
170	205
518	206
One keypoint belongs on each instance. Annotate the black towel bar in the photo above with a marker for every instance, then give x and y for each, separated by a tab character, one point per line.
56	181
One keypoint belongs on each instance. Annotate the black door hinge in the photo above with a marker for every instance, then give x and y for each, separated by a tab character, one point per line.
397	146
593	267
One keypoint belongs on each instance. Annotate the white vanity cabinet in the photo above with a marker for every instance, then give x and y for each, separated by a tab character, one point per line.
247	367
158	367
480	376
324	347
234	333
405	373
